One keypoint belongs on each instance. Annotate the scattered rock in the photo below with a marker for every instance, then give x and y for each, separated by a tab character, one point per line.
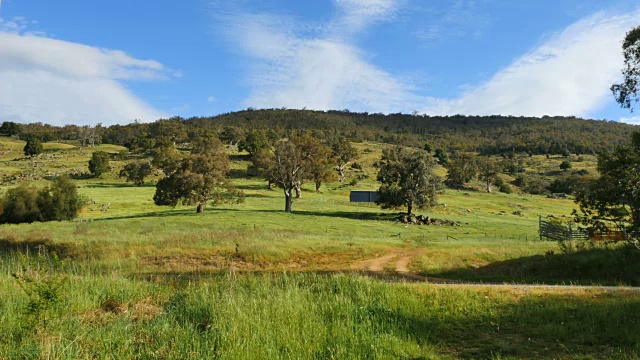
520	206
557	196
425	220
518	213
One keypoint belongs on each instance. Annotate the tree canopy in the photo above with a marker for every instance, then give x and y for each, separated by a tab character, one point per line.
99	163
613	199
198	179
33	147
628	91
407	179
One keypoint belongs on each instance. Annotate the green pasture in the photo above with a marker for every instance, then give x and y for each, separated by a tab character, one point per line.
251	281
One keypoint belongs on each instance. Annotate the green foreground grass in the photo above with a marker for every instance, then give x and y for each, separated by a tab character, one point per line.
243	281
311	316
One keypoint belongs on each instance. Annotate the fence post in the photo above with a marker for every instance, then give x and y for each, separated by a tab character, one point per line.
540	226
570	233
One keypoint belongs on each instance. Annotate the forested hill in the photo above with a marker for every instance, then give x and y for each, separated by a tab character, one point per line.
486	134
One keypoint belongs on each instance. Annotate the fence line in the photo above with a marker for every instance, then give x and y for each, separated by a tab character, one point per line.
560	232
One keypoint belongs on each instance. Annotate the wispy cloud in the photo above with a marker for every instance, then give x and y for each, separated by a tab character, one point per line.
355	15
323	69
462	18
55	81
568	74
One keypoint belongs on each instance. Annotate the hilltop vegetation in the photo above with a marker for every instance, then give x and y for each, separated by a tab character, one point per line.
484	134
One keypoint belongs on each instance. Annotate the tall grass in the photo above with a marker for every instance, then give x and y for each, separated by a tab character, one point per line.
311	316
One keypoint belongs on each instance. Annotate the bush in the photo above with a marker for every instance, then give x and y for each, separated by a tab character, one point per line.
99	163
136	172
536	185
442	156
568	184
33	147
519	181
505	188
60	201
20	205
502	186
566	165
26	205
532	184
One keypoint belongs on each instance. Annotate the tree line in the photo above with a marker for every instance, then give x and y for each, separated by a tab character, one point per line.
487	135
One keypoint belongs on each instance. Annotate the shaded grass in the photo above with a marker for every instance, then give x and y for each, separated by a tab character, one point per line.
307	316
612	265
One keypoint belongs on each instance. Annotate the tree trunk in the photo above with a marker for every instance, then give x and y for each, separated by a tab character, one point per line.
489	186
200	208
298	190
288	200
268	184
318	184
409	208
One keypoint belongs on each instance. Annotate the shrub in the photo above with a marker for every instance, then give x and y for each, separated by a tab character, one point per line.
505	188
442	156
99	163
136	172
33	147
519	181
26	205
537	185
20	205
502	186
566	165
60	201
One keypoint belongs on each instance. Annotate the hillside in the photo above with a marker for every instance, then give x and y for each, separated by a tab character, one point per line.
486	134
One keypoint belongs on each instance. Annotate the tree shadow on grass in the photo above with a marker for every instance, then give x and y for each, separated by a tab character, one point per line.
151	215
253	187
238	174
619	264
239	157
118	185
33	245
550	326
354	215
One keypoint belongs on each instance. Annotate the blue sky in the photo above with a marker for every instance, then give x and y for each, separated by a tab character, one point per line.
114	61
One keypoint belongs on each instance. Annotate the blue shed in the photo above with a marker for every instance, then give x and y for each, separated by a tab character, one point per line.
364	196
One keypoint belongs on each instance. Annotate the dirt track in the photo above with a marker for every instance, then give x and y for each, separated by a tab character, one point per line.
395	266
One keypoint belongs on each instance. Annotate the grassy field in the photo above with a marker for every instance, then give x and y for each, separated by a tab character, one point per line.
250	281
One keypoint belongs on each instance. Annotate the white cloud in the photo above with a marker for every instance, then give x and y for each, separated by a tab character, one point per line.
569	74
631	120
60	82
461	18
317	71
211	99
357	14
